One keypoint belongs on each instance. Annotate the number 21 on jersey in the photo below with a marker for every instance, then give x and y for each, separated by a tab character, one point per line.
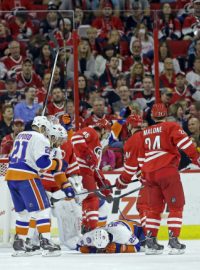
153	143
19	152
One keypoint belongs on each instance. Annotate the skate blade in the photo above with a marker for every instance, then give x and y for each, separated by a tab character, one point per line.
21	254
142	249
36	252
174	251
47	253
153	251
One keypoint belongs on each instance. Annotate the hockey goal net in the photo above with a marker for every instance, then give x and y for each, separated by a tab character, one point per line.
5	204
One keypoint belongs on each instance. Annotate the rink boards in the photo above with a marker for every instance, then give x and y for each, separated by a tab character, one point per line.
126	206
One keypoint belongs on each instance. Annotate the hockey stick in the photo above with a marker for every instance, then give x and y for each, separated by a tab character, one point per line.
110	199
50	83
91	191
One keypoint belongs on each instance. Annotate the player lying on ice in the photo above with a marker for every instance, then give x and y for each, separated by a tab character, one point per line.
120	236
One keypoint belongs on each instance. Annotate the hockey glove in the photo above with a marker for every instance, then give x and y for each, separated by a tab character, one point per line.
91	161
102	182
68	190
120	184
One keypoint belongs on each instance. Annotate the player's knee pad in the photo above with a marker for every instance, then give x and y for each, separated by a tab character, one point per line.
23	215
45	213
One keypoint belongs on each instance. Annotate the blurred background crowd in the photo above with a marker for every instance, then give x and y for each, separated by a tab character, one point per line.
115	63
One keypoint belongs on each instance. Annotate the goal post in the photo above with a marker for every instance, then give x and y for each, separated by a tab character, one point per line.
5	204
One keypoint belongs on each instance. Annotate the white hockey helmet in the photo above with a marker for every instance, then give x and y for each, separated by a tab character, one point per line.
100	238
58	132
40	121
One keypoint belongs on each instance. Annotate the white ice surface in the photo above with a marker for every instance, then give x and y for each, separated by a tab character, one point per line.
76	261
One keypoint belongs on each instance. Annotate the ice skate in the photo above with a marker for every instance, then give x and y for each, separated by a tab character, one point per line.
49	249
175	246
35	249
142	246
21	247
152	246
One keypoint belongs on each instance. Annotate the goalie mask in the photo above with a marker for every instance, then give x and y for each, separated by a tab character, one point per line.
100	238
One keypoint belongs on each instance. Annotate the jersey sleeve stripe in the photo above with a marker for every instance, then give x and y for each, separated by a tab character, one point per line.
78	141
72	164
130	167
186	145
155	156
182	141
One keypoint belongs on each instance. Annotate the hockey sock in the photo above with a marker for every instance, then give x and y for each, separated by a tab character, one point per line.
153	223
174	223
22	224
43	222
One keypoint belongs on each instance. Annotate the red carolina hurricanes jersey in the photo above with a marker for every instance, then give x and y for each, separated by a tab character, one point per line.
35	81
86	141
70	158
12	64
131	153
160	144
53	109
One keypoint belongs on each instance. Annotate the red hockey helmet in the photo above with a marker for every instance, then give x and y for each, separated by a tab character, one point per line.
159	110
103	123
134	120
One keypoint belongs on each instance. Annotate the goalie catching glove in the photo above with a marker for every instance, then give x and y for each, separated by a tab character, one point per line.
76	182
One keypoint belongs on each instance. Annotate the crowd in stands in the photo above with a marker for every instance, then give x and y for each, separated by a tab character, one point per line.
115	64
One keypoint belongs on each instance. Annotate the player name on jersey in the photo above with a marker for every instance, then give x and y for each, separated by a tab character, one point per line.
152	130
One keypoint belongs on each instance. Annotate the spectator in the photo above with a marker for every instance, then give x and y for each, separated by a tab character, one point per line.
7	141
45	61
136	75
145	98
98	112
109	77
176	110
183	91
6	122
27	77
119	43
194	129
12	96
93	41
51	22
57	106
194	54
14	60
137	17
169	26
107	21
190	29
102	60
21	27
193	77
42	91
107	160
58	78
87	105
194	109
5	38
164	53
141	33
136	57
167	78
27	109
125	100
86	63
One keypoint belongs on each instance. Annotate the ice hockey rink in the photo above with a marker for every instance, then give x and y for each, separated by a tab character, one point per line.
75	261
